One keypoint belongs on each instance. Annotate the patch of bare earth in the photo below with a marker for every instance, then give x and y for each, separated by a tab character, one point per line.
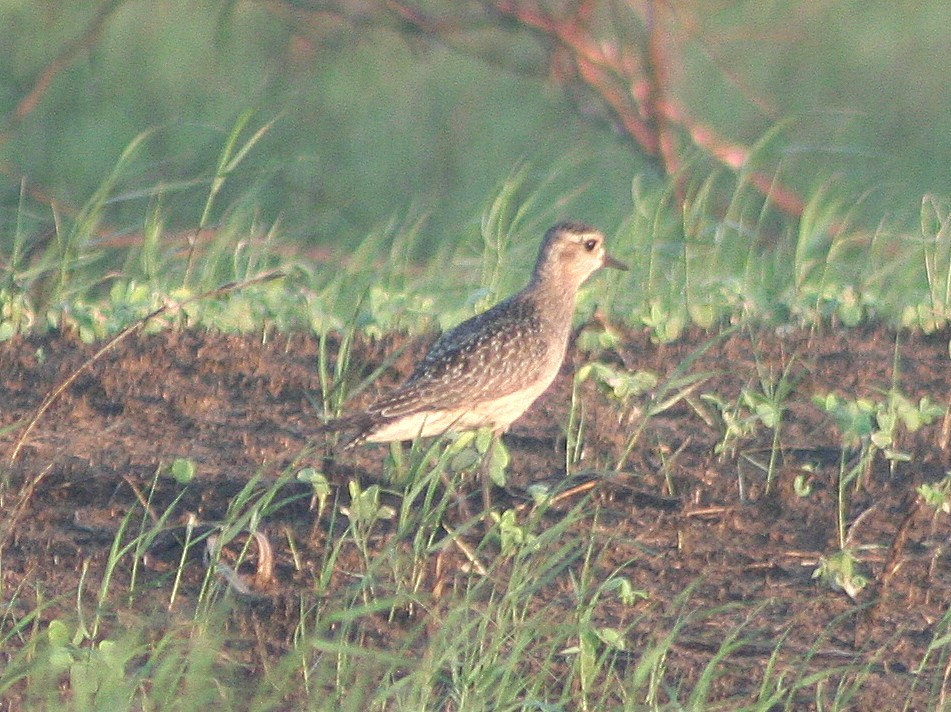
680	517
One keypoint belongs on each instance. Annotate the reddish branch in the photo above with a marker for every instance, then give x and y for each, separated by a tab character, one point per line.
633	88
41	84
631	82
605	73
66	57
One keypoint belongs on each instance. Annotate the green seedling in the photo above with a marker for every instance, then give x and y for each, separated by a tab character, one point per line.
739	422
183	470
856	422
620	385
621	587
363	512
854	418
842	571
492	447
736	424
16	313
871	427
468	451
594	641
320	488
937	495
96	671
876	426
365	507
898	412
803	482
596	341
666	324
676	387
514	536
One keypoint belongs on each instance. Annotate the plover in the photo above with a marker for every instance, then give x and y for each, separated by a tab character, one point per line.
487	371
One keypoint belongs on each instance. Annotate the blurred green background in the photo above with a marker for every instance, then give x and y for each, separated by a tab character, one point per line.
368	126
375	122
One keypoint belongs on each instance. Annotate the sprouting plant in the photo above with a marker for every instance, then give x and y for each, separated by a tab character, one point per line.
513	535
937	495
620	385
769	405
754	408
595	341
802	482
96	670
735	424
17	315
469	449
842	570
870	427
895	411
668	392
320	487
364	511
856	422
592	637
665	322
365	507
876	426
183	470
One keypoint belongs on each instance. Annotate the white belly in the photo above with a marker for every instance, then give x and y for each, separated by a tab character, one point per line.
497	414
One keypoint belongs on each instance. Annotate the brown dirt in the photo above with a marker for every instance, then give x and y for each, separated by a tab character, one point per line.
241	406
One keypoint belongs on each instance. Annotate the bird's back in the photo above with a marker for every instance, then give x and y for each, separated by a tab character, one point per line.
493	354
488	370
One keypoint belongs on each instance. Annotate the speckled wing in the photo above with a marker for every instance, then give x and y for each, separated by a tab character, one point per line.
491	355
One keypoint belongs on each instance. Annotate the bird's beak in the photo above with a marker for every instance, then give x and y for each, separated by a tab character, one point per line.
611	262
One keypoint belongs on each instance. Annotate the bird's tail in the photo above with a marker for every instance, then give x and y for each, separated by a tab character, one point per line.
357	425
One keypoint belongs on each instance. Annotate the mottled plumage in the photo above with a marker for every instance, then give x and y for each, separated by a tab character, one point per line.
488	370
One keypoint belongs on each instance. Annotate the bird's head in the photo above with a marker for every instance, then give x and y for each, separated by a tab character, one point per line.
570	253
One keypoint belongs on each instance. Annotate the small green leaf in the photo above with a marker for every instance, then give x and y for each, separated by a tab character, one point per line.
513	535
499	463
460	442
936	495
483	439
539	493
365	506
465	460
183	470
802	485
626	593
611	637
57	633
320	485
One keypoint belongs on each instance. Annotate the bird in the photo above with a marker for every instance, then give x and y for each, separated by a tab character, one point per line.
488	370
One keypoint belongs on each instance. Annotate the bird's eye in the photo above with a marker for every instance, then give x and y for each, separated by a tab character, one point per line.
590	244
